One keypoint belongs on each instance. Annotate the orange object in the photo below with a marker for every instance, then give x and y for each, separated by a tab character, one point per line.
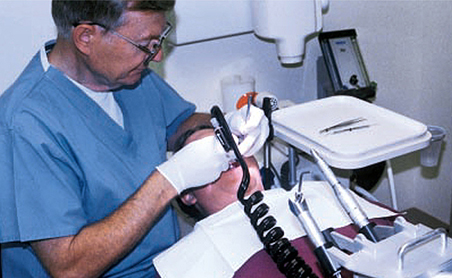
243	100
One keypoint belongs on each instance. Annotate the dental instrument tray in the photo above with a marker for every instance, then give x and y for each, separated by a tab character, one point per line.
349	133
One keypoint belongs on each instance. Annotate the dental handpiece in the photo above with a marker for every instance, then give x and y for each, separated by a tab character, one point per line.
301	210
346	199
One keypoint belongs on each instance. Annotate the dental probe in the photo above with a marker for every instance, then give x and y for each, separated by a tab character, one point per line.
248	107
301	210
349	204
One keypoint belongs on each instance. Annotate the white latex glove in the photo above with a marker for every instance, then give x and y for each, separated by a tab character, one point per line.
196	164
252	132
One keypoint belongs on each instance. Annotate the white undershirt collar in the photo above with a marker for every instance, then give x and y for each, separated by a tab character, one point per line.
105	100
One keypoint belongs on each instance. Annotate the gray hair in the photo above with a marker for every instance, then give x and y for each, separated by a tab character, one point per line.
67	13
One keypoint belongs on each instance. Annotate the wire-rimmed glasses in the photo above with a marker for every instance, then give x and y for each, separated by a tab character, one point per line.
151	51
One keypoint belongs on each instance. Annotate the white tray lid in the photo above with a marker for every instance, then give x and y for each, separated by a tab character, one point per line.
389	134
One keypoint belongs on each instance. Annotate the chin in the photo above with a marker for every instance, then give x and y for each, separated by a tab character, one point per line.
132	79
254	186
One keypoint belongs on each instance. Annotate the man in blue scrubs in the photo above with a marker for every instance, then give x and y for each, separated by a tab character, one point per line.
84	132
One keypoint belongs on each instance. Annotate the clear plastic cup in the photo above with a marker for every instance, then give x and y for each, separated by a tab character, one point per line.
430	155
233	87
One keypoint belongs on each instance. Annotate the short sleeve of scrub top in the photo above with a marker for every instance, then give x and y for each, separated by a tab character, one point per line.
70	164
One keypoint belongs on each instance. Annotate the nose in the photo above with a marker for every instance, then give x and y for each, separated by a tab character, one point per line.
159	57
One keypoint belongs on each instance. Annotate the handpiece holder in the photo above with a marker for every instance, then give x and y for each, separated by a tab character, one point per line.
267	173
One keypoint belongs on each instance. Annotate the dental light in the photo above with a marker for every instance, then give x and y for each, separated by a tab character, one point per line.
287	23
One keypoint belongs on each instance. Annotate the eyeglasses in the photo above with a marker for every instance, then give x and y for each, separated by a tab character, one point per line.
151	51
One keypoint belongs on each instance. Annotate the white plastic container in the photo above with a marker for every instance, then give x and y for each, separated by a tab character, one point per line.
233	87
430	155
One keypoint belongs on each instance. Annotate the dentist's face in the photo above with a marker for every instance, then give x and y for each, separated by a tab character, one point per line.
116	61
217	195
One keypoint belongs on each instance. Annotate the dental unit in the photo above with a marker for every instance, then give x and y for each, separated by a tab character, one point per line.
339	132
377	251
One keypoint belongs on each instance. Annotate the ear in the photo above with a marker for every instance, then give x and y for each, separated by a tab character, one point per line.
188	198
83	37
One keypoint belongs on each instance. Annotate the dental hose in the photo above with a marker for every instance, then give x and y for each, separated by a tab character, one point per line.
276	245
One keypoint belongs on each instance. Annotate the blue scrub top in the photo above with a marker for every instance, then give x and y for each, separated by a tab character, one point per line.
65	163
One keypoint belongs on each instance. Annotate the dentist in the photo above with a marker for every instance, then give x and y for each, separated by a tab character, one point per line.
84	133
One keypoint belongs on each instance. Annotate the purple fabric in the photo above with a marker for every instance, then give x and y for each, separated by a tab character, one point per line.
260	265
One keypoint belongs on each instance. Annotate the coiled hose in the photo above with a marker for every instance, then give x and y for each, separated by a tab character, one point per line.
276	245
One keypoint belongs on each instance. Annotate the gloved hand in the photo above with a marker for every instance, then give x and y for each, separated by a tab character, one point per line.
196	164
252	131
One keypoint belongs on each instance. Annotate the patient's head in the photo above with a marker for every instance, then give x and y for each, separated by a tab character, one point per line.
213	197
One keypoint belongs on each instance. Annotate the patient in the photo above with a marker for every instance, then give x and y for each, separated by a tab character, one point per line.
223	242
211	198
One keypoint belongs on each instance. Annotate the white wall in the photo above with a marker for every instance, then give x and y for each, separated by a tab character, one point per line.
24	26
406	48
